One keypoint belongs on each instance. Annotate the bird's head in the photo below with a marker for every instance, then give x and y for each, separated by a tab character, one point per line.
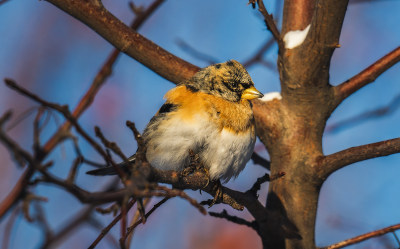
228	80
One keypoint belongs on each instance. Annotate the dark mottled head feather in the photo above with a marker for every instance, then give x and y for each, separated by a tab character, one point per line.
227	80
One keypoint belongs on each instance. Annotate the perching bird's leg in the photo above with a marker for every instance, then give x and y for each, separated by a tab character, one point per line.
217	188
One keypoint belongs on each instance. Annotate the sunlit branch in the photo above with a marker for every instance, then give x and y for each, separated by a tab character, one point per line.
367	76
363	237
340	159
127	40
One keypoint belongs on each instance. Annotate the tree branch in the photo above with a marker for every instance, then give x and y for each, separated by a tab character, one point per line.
383	111
224	215
269	21
127	40
257	159
3	1
338	160
363	237
140	221
109	226
258	56
367	76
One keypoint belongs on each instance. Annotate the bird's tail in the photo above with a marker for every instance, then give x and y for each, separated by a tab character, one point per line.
110	170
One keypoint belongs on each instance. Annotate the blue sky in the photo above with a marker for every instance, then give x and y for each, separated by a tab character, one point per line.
55	56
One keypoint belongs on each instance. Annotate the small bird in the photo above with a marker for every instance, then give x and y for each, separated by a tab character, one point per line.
209	114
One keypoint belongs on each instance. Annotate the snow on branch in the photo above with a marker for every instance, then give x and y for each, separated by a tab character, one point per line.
295	38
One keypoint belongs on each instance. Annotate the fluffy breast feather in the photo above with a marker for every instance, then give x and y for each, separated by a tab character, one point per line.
222	132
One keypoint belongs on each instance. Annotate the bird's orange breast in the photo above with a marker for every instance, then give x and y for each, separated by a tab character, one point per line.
230	116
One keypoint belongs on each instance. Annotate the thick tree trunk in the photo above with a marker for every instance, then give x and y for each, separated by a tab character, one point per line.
292	128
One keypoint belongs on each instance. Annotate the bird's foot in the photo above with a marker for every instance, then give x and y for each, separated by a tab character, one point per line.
217	188
194	164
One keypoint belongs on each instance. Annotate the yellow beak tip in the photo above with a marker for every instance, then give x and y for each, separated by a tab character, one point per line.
251	93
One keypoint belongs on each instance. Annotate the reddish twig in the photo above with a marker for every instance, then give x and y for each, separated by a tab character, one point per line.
367	76
338	160
63	109
128	41
363	237
83	104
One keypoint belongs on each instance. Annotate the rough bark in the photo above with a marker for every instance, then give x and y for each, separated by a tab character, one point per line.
292	128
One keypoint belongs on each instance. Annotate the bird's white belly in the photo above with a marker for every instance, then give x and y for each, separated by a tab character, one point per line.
170	149
227	154
224	153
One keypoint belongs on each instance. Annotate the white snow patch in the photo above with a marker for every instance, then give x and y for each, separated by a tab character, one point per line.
270	96
295	38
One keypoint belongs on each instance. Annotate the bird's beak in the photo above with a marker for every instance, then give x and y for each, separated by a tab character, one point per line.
251	93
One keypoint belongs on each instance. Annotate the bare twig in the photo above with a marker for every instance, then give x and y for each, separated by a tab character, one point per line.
115	148
138	215
269	22
83	104
141	210
257	185
132	228
8	227
114	208
333	162
66	113
180	193
257	159
195	53
36	131
367	76
21	117
265	178
136	133
108	228
379	112
81	217
363	237
258	56
224	215
72	173
42	221
3	1
111	145
28	199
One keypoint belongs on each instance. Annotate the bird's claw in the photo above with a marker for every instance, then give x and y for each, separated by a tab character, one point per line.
218	193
